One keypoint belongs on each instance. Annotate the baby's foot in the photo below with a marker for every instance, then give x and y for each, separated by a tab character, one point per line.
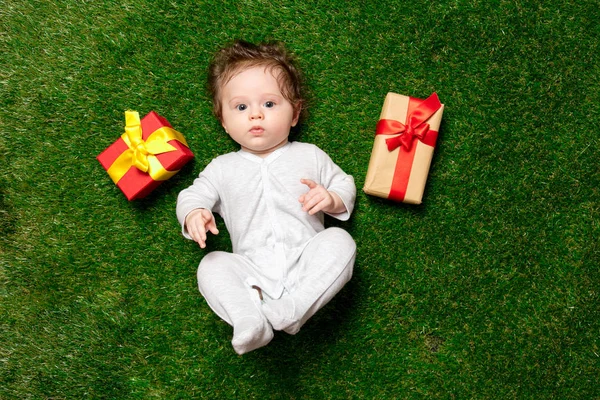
281	315
251	333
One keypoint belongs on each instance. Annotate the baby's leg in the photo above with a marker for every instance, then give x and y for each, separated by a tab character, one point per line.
222	281
324	268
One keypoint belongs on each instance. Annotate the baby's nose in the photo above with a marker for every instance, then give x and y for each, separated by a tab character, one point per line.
256	114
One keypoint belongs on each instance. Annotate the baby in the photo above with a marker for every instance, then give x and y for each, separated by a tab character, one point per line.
272	195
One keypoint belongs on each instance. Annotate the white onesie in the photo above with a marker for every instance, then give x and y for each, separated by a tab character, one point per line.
276	245
258	200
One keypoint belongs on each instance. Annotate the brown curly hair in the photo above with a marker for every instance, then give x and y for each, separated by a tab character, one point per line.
242	55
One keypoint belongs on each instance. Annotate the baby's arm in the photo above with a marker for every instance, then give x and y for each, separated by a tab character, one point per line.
198	222
196	204
320	199
338	184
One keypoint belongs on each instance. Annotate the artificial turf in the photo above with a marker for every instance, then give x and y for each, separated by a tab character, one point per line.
489	289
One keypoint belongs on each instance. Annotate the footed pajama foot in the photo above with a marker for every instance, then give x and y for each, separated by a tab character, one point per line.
280	314
250	334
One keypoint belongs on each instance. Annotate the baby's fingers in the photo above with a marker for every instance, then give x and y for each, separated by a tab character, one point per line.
212	227
316	203
198	234
308	182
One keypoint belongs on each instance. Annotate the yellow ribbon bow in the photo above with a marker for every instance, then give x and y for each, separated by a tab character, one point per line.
142	153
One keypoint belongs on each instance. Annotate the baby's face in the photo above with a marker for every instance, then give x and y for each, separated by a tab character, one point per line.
255	113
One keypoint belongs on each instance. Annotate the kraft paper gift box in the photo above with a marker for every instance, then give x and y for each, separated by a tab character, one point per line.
405	139
148	153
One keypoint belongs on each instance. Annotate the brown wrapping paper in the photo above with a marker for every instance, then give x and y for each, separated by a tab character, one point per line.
385	164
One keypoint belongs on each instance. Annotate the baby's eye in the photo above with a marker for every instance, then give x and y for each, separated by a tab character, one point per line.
241	107
269	104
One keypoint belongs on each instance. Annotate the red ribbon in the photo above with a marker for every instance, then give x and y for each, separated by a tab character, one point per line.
415	127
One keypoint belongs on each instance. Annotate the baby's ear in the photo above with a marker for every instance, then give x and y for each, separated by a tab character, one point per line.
297	111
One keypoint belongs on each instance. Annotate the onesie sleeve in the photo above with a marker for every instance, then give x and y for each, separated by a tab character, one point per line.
203	193
336	180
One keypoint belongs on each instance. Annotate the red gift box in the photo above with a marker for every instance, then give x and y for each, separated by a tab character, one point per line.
148	153
406	135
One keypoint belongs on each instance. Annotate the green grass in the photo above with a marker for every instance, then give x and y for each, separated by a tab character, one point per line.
490	289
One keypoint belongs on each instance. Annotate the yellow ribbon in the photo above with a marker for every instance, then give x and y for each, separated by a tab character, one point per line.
142	154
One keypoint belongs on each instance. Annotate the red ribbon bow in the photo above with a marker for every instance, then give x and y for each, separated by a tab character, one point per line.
416	128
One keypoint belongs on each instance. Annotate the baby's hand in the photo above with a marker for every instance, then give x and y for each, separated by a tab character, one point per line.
320	199
198	222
